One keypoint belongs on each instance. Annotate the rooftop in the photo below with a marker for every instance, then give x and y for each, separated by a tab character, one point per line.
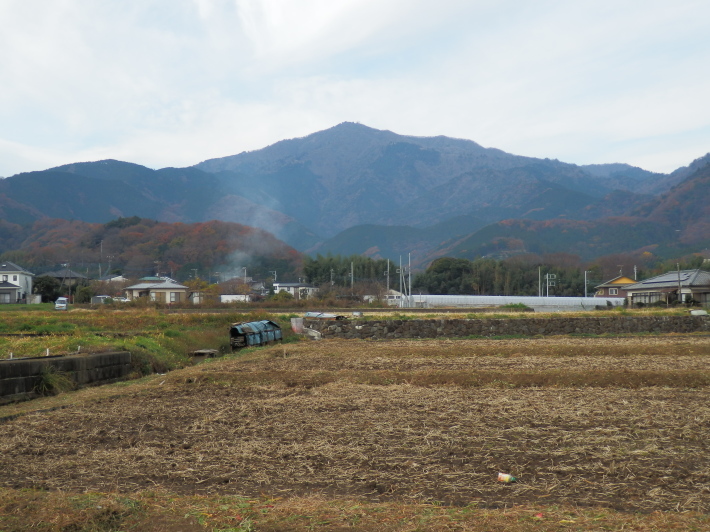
686	278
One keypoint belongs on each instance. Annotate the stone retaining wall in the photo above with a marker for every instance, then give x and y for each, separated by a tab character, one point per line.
384	329
20	377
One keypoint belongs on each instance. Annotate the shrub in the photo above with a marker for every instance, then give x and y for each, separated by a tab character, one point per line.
53	382
519	307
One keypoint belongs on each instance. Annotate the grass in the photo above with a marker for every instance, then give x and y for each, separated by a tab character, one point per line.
158	341
159	511
53	382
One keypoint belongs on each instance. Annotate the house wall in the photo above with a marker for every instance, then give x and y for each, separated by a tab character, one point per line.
652	296
298	292
235	298
607	292
21	279
164	296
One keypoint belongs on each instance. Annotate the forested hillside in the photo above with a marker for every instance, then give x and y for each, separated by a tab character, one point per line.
137	247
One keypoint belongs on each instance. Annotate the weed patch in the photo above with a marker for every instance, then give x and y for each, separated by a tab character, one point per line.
52	382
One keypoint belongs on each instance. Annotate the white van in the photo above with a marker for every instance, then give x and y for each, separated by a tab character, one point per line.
62	303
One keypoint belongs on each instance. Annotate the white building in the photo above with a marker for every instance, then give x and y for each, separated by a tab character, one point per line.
297	290
162	291
15	283
235	298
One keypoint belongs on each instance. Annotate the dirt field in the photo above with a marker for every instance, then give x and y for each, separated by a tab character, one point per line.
407	421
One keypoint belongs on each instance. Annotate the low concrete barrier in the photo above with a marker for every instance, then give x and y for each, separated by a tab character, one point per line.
19	378
385	329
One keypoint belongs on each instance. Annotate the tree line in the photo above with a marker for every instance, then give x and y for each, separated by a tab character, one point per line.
523	275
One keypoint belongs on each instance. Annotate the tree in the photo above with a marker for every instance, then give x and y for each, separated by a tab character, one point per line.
282	295
48	287
84	294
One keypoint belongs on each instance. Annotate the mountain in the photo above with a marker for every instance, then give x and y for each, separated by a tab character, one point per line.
173	194
383	241
620	176
352	175
354	189
673	224
685	207
104	190
587	239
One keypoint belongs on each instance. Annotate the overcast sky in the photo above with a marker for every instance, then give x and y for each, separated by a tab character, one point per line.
174	82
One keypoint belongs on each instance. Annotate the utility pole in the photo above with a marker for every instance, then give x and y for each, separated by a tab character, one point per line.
585	282
401	291
388	278
410	280
64	277
352	278
680	296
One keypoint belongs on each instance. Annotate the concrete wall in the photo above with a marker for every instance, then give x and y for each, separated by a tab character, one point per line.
384	329
19	377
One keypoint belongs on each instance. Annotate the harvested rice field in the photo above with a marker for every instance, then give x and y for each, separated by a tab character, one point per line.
618	427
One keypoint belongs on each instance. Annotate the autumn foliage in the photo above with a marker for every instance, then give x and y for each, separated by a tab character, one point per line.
139	247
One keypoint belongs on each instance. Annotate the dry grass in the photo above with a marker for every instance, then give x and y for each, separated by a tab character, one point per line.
402	435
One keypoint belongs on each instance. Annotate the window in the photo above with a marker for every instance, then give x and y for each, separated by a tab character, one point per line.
14	278
4	277
175	297
613	291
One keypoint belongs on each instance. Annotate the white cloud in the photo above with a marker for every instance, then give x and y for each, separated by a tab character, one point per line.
174	82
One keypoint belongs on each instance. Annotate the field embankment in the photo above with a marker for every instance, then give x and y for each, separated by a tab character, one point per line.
381	435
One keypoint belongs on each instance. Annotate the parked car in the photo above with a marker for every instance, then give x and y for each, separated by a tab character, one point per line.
62	303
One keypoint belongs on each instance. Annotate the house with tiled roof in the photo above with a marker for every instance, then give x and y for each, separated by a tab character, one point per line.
164	290
15	283
615	287
66	277
672	286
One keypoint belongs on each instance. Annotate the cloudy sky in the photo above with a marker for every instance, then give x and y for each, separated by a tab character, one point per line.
175	82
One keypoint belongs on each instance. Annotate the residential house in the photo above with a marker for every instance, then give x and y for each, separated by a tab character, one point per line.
163	291
297	290
690	284
392	298
15	283
235	298
113	278
615	287
66	277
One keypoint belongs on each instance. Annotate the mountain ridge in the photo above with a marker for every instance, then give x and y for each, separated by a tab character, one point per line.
313	190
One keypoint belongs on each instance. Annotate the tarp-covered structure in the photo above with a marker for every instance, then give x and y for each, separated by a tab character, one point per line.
254	333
